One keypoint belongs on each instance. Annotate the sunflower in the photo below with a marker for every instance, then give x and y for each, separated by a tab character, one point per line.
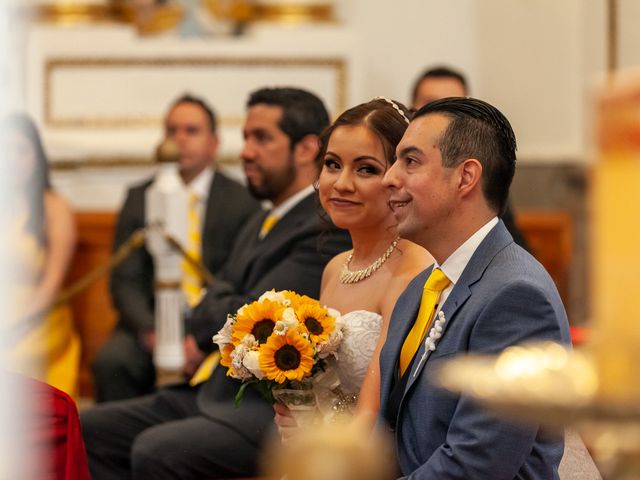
257	319
286	357
225	358
297	300
316	320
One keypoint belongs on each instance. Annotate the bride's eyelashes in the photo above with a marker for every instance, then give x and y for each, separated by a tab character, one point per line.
368	170
364	169
332	164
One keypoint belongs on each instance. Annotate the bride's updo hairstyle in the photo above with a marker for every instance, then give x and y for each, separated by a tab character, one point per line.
386	118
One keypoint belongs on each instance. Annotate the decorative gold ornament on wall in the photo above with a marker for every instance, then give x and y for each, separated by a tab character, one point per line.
67	13
265	10
154	16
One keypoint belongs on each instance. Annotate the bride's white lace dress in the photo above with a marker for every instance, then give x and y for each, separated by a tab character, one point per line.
337	391
361	331
336	388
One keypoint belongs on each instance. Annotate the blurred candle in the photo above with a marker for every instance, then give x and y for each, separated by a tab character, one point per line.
615	248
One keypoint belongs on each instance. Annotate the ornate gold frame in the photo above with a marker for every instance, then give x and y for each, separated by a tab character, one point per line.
53	64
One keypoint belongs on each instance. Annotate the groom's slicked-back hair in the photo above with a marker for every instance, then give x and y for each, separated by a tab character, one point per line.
478	130
303	113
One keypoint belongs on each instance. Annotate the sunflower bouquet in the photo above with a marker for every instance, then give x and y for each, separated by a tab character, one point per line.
279	343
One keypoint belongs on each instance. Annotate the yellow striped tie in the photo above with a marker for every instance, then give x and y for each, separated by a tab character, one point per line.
191	280
433	287
267	225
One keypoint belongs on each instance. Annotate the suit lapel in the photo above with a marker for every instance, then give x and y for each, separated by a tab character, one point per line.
455	300
245	252
404	314
291	221
282	232
217	194
497	239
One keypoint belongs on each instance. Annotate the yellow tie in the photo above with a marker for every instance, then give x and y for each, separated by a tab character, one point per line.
205	369
267	225
433	287
191	280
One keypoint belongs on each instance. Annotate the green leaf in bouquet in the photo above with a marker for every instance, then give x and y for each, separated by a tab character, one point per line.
240	394
262	386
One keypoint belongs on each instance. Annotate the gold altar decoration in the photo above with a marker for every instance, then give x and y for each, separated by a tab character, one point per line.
69	12
344	450
596	388
153	16
289	11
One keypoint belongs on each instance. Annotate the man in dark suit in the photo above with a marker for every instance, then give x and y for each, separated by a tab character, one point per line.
455	164
442	82
197	432
123	368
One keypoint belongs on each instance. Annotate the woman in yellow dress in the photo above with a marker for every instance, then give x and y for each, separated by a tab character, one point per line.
42	342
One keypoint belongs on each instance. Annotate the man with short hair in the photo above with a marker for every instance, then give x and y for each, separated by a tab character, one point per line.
442	82
484	294
197	432
124	368
436	83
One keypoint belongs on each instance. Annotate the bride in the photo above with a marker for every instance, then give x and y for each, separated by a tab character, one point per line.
363	283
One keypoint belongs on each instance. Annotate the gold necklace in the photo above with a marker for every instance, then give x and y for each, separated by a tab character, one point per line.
347	276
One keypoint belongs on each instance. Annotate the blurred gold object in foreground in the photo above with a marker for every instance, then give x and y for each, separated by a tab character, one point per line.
539	382
615	241
338	451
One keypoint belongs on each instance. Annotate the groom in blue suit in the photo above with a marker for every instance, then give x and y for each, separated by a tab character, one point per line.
448	186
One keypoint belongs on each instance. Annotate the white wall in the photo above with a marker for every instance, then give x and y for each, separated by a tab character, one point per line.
629	33
400	39
530	56
534	59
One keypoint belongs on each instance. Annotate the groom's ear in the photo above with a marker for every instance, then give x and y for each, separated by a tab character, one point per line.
470	175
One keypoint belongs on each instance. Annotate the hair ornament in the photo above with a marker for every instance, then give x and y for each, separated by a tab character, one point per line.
395	106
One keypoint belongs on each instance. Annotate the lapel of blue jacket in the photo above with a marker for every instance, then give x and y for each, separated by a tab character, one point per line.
497	239
404	314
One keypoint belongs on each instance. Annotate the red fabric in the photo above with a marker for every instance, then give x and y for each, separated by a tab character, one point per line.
55	433
579	335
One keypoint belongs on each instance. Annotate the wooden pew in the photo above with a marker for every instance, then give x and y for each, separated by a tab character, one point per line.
549	235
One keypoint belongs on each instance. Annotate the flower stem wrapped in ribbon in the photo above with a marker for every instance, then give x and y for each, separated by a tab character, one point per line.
278	342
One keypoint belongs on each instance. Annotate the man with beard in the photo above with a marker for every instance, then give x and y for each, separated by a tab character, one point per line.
196	431
123	367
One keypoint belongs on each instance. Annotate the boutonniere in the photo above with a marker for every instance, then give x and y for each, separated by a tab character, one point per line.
431	340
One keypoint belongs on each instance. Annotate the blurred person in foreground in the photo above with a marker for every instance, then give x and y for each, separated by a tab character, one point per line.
40	340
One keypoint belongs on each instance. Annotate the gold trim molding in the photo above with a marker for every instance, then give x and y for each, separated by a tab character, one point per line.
247	11
53	65
66	14
291	13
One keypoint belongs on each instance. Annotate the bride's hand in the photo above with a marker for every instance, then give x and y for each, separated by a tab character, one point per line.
287	425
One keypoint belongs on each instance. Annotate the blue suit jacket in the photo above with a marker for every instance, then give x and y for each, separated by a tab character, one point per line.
504	297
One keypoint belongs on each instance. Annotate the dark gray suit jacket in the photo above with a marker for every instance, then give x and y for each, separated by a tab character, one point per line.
228	208
291	257
504	297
